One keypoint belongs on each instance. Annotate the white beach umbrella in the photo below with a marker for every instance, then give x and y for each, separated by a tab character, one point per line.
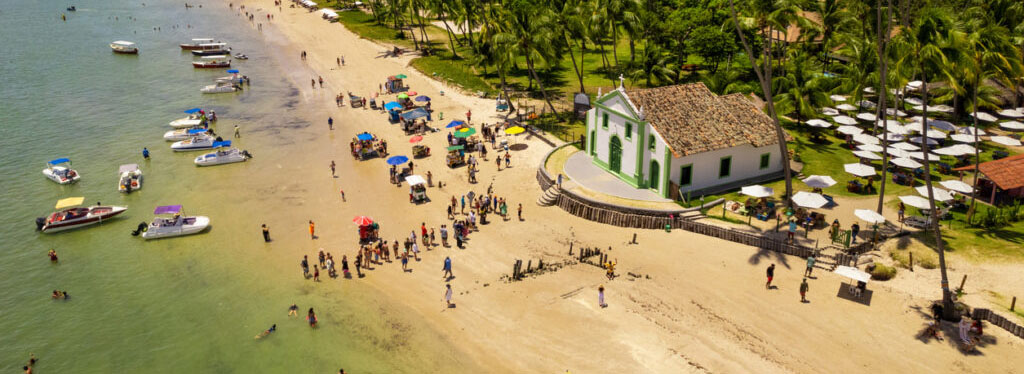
963	138
914	101
829	111
867	155
1012	125
918	140
867	117
970	131
757	191
1011	113
1005	140
905	162
846	107
939	194
820	181
837	98
895	112
889	123
869	216
936	134
985	117
941	125
957	186
859	170
869	90
819	123
935	108
852	273
914	85
905	146
870	148
844	120
849	130
915	201
920	156
809	200
965	149
898	129
892	137
865	139
949	151
896	152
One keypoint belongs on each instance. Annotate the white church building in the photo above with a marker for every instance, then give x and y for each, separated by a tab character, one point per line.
682	140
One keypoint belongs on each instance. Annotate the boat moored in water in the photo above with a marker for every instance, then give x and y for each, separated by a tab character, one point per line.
221	86
223	156
182	134
209	62
198	43
176	225
60	171
212	49
70	216
124	47
129	178
197	142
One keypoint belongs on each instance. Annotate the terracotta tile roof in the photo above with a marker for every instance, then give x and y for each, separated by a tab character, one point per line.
694	120
1007	173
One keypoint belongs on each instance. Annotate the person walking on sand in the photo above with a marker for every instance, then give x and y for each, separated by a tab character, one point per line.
338	60
444	235
342	60
804	287
330	123
313	82
316	273
405	261
312	230
854	230
469	115
332	170
792	230
448	296
447	268
771	275
321	81
600	296
519	211
810	265
266	233
237	134
901	211
343	196
305	266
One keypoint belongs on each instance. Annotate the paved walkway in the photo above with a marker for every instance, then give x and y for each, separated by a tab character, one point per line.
581	170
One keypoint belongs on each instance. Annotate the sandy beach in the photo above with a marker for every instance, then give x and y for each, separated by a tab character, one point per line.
681	303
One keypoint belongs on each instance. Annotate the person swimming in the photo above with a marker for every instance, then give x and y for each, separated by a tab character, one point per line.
267	331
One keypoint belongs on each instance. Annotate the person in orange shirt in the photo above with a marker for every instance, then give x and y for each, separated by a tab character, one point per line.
312	228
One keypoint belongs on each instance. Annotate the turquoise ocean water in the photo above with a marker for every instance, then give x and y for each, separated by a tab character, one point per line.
182	305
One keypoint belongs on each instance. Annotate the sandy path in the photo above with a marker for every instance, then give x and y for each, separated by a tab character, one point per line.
704	308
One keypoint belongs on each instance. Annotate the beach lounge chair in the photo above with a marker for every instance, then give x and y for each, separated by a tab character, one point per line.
917	222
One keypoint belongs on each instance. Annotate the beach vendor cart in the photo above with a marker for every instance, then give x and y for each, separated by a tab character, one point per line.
456	156
368	229
354	101
420	151
501	105
417	189
395	84
410	123
861	278
394	110
364	146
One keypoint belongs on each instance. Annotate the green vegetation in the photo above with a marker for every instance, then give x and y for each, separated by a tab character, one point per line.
882	272
924	257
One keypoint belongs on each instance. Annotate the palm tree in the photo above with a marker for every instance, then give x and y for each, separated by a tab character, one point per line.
530	30
882	42
764	74
801	90
654	67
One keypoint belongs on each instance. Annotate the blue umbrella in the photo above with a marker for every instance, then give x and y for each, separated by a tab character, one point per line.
453	124
193	110
392	105
397	160
364	136
233	71
422	98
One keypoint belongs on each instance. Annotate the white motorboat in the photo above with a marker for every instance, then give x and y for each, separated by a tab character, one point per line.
224	156
197	142
129	178
182	134
221	87
124	47
177	225
60	171
68	216
198	44
193	120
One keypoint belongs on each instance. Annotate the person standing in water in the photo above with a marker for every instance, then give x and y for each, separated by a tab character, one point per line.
237	134
53	256
145	153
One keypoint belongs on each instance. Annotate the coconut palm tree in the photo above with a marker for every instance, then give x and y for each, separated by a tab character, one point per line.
801	90
882	42
655	67
529	30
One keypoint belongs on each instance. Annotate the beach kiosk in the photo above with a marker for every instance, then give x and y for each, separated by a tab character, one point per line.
456	156
395	84
394	110
417	189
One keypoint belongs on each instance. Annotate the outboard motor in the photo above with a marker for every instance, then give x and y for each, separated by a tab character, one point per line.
246	154
141	229
40	222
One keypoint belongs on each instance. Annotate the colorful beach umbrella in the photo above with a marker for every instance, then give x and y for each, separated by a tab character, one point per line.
415	139
193	110
400	76
465	134
422	98
412	93
453	124
364	136
362	220
456	148
397	160
71	201
403	96
515	130
392	105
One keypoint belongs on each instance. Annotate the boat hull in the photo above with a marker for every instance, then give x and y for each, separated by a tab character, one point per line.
197	225
135	181
126	51
211	65
88	220
184	123
213	159
54	174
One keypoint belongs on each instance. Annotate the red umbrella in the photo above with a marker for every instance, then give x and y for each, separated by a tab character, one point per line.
363	220
415	139
412	93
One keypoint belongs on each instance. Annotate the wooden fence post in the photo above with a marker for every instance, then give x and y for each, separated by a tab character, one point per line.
962	281
1013	303
911	261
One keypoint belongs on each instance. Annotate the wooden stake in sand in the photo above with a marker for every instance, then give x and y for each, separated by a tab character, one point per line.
1013	303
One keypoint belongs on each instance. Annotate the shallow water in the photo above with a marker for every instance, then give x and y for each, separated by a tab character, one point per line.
190	304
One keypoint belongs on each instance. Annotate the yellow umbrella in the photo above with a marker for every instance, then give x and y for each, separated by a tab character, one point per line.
514	130
71	201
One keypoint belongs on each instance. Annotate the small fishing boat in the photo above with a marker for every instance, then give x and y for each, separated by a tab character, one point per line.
60	171
221	49
129	178
240	56
197	142
221	87
198	43
176	225
72	8
70	216
223	156
209	62
124	47
182	134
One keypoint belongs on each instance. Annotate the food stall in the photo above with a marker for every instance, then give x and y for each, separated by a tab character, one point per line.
456	156
417	189
395	84
420	151
409	123
365	146
354	101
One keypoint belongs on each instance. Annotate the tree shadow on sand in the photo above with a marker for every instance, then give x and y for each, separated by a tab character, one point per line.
767	255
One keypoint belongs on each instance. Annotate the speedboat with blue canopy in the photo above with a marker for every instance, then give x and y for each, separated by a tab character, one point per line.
182	134
196	142
60	171
174	225
224	155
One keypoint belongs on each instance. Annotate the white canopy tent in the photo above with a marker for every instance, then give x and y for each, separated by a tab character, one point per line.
809	200
757	191
939	194
849	130
1006	140
957	186
1012	126
819	181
